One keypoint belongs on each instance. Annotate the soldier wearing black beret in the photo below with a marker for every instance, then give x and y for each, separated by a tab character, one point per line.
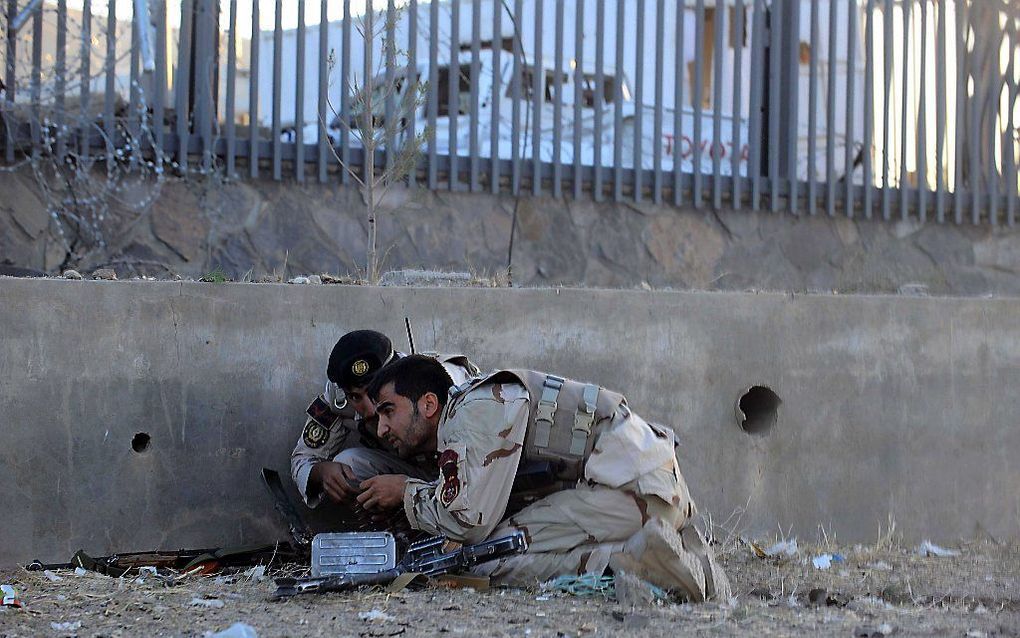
338	447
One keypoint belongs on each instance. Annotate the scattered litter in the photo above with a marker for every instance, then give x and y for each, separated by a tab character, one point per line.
257	573
375	615
66	626
928	548
881	566
147	570
10	596
299	280
215	603
584	585
80	571
788	548
50	576
976	633
824	561
237	630
542	598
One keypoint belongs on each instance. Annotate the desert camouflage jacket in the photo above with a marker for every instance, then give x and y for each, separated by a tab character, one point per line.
480	443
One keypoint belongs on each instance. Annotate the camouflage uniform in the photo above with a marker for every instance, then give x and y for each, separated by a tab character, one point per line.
337	433
630	478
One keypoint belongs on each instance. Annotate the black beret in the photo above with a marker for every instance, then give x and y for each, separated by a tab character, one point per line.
357	356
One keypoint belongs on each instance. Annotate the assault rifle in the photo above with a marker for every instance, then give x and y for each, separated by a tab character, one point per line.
424	557
184	560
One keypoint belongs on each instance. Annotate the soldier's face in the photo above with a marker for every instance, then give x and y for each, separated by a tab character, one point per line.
402	423
360	402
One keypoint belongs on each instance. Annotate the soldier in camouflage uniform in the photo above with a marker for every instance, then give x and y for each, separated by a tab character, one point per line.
613	495
338	447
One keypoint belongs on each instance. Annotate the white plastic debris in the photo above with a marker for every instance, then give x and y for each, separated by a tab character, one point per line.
257	573
10	596
375	615
928	548
299	280
147	570
823	561
787	548
66	626
80	571
214	603
237	630
50	576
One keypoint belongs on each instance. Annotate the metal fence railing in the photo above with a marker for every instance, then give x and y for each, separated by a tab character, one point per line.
873	108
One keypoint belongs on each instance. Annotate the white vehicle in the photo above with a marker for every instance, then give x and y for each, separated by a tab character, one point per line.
618	106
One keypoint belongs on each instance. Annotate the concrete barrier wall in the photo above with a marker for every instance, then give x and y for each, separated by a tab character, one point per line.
893	408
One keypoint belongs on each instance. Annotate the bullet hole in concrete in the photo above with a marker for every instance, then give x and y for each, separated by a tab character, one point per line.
758	410
140	442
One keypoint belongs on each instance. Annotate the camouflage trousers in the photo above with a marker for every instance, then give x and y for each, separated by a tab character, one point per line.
589	528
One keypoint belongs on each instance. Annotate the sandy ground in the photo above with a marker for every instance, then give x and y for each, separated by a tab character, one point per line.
874	591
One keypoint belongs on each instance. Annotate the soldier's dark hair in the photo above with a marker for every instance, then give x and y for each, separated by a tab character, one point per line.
413	377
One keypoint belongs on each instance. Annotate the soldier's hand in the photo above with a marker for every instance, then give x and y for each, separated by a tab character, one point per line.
336	480
383	492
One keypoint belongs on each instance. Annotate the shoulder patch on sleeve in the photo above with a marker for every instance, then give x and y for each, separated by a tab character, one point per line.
450	489
320	412
315	434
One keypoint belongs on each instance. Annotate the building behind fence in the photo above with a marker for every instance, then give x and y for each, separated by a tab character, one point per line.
873	108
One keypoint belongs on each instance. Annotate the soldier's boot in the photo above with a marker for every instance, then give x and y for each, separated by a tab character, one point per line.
674	560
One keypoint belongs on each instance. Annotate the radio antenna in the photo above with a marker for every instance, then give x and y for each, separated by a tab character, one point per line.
410	337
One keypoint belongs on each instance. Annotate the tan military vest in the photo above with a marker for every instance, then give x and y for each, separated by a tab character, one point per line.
564	421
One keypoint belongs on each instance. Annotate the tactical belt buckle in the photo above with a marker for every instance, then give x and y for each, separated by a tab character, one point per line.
584	418
546	409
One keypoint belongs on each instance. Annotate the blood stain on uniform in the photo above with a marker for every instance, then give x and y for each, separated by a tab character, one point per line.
505	433
499	454
497	392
